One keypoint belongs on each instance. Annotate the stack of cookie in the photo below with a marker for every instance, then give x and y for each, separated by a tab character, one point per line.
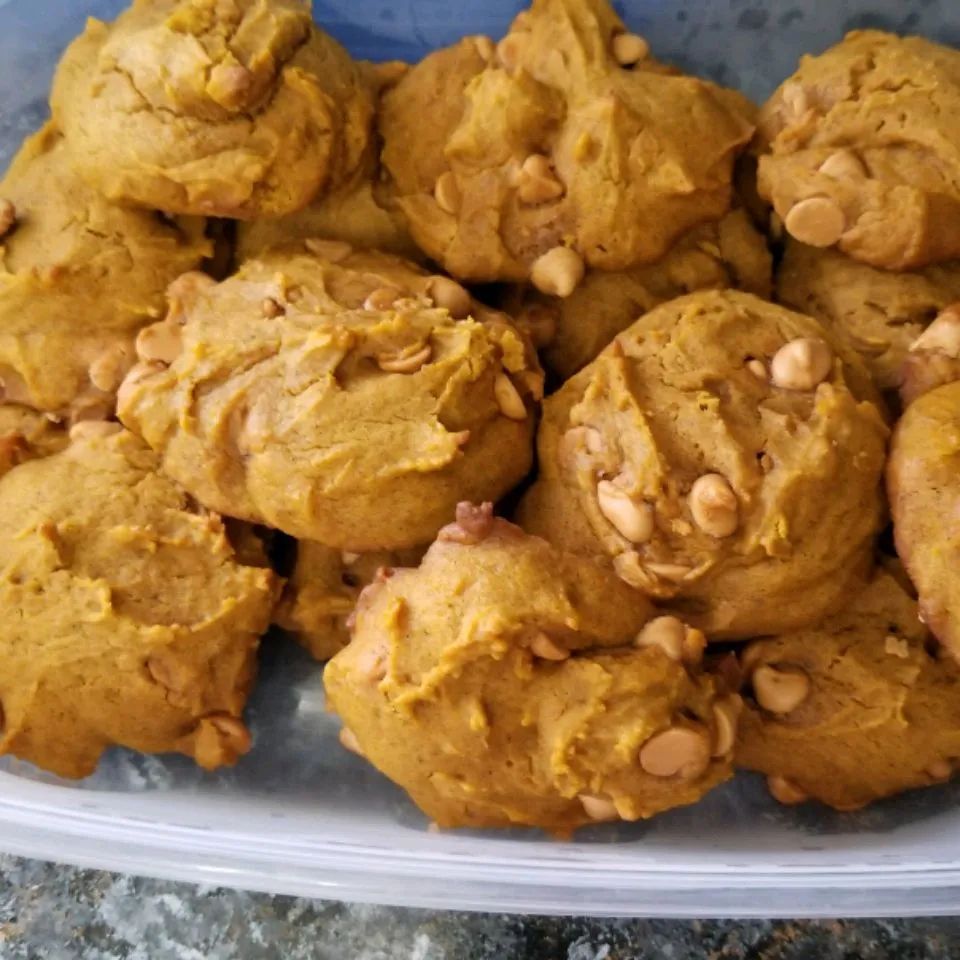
242	349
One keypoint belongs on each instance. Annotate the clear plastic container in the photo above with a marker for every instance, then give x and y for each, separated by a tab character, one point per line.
299	815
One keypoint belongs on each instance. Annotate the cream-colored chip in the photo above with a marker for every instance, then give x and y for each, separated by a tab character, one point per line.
558	272
780	690
786	792
629	48
633	520
451	296
817	221
677	752
844	165
508	398
599	808
801	364
726	714
713	505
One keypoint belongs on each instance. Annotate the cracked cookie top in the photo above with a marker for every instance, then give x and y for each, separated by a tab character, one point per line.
345	397
853	709
564	145
717	452
539	692
233	108
128	617
861	150
79	276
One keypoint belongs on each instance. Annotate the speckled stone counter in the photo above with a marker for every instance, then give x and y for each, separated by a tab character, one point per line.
59	913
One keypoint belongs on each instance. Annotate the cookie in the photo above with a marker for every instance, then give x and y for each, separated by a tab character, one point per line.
933	359
230	108
127	618
923	484
505	683
880	313
344	397
717	453
563	146
860	150
26	434
79	276
854	709
351	215
322	590
570	332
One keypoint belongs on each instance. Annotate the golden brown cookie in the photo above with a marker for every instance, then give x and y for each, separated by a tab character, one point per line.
854	709
933	359
231	108
504	683
879	312
565	145
126	617
322	591
571	332
923	483
79	276
352	216
347	398
717	454
861	150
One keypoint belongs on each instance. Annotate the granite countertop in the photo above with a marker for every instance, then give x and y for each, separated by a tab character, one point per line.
61	913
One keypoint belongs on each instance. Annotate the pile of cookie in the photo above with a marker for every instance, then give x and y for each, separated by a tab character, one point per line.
276	330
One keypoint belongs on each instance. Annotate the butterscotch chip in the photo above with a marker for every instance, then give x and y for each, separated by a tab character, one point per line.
237	109
713	505
801	364
817	221
629	48
677	752
128	618
557	272
780	690
933	358
470	711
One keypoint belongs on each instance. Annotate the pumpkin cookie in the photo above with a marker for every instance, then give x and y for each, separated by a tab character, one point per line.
570	332
506	683
231	108
322	591
79	276
880	313
127	618
861	150
923	483
348	398
717	453
352	216
563	146
854	709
